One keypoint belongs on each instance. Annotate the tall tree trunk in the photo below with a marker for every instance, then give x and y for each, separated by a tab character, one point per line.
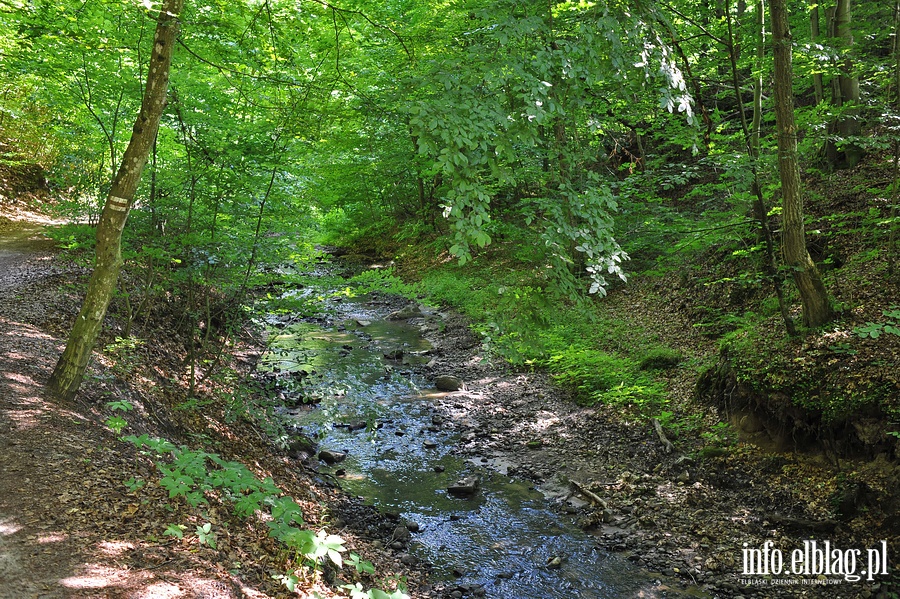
756	123
896	96
69	371
751	140
845	92
895	197
814	32
816	308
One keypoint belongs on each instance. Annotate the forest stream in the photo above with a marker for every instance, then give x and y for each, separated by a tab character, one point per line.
362	384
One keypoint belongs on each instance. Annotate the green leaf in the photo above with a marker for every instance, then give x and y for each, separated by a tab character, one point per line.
286	510
175	530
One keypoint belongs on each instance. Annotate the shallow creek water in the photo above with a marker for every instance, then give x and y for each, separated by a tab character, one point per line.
502	538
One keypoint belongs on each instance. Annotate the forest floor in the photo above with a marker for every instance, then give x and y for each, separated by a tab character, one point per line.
679	514
72	526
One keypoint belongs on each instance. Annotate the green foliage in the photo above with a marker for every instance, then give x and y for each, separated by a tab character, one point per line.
356	592
191	474
73	238
289	580
874	330
720	434
776	367
116	423
659	358
523	323
384	280
175	530
206	536
599	377
678	426
124	355
134	484
361	565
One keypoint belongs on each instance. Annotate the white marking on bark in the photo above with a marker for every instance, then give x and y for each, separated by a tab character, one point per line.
117	203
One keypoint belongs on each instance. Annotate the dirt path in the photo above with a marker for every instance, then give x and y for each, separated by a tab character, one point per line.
32	552
70	524
64	524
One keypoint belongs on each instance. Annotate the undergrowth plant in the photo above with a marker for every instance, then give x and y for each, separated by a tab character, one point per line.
600	377
873	330
194	475
115	422
524	322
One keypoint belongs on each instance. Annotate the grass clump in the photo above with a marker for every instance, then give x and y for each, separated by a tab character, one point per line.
525	322
659	358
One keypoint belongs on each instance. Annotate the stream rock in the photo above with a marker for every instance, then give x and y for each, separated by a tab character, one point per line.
409	560
301	447
465	487
405	313
401	534
448	382
332	457
352	426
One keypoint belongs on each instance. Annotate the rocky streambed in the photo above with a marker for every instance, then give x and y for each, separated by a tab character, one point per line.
504	486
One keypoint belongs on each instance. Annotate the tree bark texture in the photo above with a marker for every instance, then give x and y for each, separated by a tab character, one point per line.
816	308
70	368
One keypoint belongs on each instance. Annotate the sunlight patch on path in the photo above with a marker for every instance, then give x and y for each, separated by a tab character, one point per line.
121	581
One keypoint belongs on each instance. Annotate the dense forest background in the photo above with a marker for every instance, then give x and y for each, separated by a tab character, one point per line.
684	212
541	154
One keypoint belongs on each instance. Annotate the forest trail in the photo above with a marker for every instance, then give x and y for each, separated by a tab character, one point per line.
33	552
64	524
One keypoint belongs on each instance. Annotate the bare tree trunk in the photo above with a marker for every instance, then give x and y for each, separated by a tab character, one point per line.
895	197
69	371
816	308
758	78
845	92
814	32
896	96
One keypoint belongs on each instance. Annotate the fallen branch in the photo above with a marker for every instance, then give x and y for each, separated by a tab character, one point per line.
662	436
594	498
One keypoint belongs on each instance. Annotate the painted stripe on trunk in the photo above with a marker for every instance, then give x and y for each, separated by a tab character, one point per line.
117	203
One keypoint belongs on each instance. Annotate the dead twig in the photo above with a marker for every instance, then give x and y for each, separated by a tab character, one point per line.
593	497
667	445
